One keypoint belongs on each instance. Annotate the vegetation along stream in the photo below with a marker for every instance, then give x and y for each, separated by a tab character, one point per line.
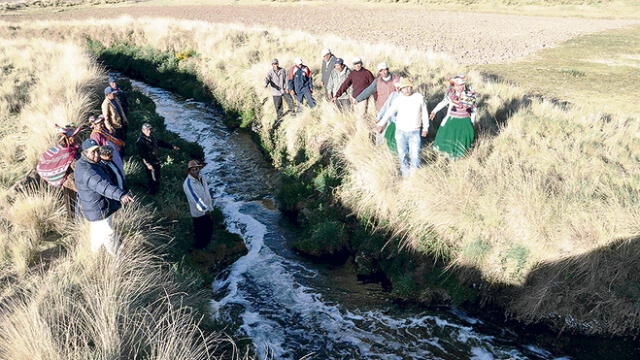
290	307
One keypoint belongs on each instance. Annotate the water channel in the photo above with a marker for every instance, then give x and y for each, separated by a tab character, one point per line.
290	307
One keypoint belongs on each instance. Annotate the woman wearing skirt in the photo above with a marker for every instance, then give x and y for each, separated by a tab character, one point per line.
456	134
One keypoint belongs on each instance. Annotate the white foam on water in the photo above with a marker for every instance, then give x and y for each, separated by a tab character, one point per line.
282	316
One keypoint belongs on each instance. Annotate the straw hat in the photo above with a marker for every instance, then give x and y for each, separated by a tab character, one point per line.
195	164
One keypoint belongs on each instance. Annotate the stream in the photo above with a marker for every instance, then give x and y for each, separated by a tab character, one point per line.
291	307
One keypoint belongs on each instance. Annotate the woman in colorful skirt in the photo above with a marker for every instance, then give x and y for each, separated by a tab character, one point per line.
103	137
456	134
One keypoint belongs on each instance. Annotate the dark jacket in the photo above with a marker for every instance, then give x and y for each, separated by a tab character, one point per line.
122	96
99	198
115	174
300	79
360	80
148	148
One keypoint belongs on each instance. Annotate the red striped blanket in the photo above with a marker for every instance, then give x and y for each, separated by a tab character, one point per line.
54	163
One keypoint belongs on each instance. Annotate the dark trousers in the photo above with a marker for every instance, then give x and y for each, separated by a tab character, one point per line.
277	102
343	104
153	177
202	229
69	197
305	95
121	133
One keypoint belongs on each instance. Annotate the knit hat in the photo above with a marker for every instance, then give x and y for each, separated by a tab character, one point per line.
68	130
339	61
325	51
458	80
403	83
274	61
297	61
89	144
356	60
382	66
195	163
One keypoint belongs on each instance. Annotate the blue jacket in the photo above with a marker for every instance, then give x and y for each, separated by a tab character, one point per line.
98	196
300	79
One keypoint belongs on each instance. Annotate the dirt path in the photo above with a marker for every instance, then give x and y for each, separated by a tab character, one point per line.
471	38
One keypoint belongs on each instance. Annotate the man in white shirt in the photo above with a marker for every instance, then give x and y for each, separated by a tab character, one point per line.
411	115
200	205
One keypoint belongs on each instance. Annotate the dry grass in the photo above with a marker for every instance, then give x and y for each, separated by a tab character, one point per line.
550	186
57	299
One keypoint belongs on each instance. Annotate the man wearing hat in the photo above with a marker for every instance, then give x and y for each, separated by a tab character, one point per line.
338	76
328	63
277	78
99	198
119	94
149	150
200	205
383	86
300	83
359	79
115	118
411	114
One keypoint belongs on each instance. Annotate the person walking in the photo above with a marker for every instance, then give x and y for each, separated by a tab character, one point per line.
300	84
411	114
200	204
455	135
358	79
149	150
98	198
337	77
120	94
106	159
115	119
383	86
328	64
104	138
277	79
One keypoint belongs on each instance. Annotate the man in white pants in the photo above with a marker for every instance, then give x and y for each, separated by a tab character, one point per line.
99	198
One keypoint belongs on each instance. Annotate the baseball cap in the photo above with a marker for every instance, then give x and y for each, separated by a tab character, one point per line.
89	144
325	51
274	61
357	60
382	66
339	61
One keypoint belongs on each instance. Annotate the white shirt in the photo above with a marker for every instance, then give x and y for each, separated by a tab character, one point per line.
198	195
411	113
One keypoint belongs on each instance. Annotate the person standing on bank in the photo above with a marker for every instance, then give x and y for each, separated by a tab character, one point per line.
456	134
200	204
337	77
115	119
103	137
328	64
300	84
106	159
120	94
149	150
277	78
359	79
411	114
99	198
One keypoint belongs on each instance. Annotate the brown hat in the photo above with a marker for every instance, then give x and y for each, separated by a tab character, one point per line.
195	163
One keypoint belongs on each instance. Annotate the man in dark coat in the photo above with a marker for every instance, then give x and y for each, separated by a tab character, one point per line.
98	198
149	150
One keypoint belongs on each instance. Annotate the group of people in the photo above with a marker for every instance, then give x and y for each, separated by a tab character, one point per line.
92	175
402	117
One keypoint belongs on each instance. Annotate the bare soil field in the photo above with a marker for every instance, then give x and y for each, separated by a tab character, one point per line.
470	38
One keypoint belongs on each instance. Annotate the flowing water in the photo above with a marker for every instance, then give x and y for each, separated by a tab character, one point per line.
290	307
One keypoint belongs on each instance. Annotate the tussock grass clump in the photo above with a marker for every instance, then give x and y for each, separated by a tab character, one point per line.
544	184
58	300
